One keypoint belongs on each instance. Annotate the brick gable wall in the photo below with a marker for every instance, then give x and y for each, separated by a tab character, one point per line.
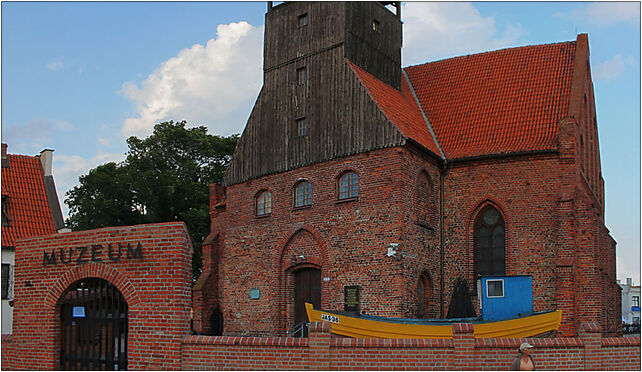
346	240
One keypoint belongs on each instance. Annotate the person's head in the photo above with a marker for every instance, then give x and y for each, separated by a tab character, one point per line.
525	348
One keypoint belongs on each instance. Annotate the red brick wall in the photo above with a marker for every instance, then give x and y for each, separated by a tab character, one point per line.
588	352
156	288
525	191
553	232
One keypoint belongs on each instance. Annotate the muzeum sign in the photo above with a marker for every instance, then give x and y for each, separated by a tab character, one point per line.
92	253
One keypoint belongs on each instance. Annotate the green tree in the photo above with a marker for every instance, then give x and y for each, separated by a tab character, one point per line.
164	178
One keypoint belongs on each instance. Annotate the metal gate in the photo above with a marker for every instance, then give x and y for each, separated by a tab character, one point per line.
94	327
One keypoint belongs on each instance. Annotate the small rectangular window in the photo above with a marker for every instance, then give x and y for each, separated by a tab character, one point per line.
302	75
301	127
635	301
376	26
6	281
495	288
303	20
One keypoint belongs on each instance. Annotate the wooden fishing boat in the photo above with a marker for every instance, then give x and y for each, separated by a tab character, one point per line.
370	326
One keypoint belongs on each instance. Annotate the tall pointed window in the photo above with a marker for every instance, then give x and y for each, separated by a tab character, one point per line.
490	242
348	186
302	194
424	293
263	203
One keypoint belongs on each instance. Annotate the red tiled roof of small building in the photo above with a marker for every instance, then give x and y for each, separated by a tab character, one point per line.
400	107
28	208
504	101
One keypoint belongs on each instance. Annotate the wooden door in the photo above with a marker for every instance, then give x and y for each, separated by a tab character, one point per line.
307	288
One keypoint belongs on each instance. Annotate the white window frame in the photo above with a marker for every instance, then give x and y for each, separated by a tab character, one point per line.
495	280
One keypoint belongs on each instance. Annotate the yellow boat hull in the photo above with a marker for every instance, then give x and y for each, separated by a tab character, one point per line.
356	327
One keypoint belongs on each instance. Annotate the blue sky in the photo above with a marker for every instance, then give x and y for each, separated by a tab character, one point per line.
81	77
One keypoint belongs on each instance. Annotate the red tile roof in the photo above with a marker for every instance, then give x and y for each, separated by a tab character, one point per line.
400	108
497	102
27	207
505	101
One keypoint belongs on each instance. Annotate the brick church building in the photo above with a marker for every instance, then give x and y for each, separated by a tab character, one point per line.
353	172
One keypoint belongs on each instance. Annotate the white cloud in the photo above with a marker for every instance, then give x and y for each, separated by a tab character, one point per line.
34	131
611	69
68	168
606	14
213	85
437	30
55	64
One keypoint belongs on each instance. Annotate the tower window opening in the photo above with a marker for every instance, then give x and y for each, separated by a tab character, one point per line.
302	75
303	20
301	127
376	26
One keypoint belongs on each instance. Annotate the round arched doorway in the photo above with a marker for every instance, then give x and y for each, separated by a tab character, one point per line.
94	326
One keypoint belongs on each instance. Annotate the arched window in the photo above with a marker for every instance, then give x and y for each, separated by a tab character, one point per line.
302	194
348	185
490	241
424	292
263	203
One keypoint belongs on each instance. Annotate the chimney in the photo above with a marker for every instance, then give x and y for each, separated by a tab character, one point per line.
46	160
629	282
5	158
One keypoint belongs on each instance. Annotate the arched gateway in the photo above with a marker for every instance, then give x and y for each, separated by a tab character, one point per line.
94	326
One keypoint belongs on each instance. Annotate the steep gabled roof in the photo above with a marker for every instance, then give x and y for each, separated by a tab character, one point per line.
504	101
400	107
27	206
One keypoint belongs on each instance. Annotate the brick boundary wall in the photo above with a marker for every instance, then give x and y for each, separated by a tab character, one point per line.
321	351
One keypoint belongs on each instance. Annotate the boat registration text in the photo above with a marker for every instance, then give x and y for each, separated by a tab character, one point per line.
330	318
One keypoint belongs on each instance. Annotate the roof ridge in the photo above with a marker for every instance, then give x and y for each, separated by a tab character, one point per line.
489	52
423	114
24	156
383	112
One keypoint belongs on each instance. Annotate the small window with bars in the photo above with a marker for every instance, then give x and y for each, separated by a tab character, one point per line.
301	127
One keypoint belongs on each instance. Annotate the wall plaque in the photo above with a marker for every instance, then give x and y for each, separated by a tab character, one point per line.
351	298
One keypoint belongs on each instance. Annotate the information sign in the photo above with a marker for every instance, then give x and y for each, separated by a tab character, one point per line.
351	298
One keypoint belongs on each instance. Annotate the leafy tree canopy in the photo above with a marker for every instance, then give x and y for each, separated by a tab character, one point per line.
164	178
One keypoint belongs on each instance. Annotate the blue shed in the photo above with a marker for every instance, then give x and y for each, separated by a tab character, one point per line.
505	297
